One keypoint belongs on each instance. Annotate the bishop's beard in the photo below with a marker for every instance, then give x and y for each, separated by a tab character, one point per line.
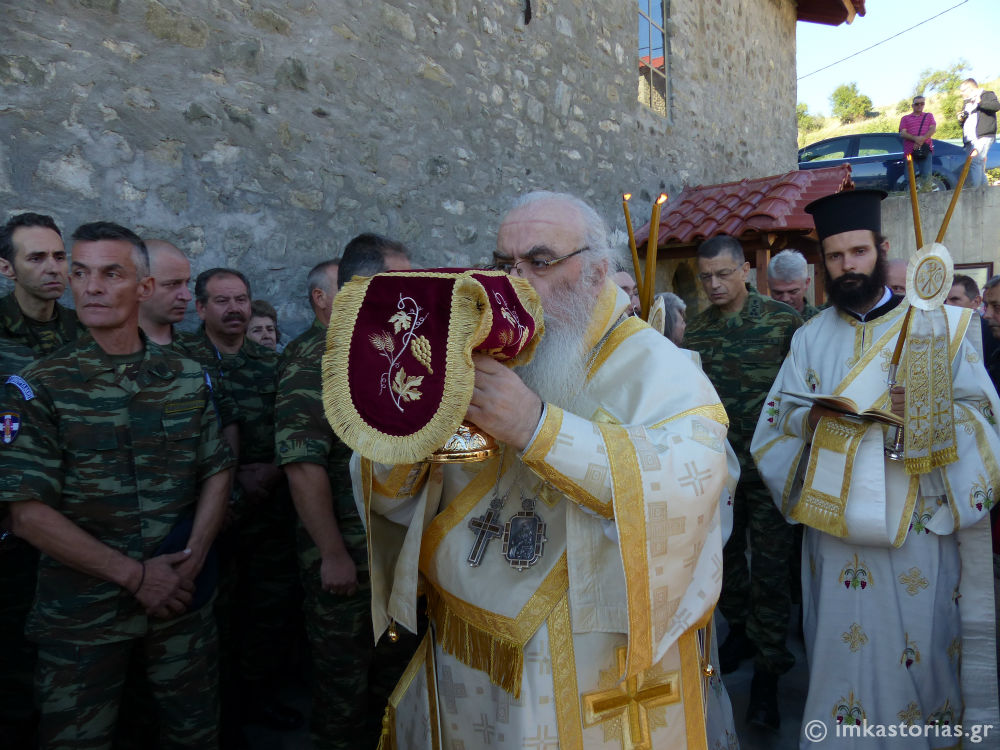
853	291
557	372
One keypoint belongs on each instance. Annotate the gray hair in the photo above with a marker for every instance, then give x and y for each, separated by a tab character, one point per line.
318	277
673	306
788	265
991	283
595	230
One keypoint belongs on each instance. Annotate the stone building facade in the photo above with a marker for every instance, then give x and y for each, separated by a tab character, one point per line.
265	134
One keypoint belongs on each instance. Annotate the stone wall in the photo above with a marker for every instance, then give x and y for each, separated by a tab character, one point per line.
263	135
973	234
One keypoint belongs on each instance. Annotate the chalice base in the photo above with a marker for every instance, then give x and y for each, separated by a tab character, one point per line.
469	443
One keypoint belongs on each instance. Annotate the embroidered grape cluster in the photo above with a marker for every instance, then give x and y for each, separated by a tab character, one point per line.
421	349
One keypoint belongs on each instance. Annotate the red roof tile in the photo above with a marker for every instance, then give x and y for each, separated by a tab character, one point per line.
830	12
747	207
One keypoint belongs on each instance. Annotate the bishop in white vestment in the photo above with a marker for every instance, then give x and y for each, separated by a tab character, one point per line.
897	596
568	580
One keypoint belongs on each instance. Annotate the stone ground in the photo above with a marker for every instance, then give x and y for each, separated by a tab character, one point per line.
792	697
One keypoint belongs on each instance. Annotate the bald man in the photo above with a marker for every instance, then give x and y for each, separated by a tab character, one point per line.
896	276
627	284
171	273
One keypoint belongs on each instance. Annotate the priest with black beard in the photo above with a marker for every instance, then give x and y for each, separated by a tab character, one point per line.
896	587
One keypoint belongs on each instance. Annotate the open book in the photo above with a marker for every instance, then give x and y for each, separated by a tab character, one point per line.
846	406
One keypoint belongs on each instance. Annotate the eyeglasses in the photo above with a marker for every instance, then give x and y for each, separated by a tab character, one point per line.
720	275
537	265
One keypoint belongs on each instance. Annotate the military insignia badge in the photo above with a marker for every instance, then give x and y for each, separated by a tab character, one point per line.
10	427
22	385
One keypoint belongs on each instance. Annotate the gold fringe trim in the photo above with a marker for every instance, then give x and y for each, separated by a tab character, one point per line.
500	658
938	458
386	740
829	521
470	322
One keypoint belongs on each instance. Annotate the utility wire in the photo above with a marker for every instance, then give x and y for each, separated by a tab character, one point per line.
855	54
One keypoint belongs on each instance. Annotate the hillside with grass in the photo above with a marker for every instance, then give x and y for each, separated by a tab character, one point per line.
943	101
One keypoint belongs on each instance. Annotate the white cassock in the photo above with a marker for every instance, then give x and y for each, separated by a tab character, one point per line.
596	645
897	596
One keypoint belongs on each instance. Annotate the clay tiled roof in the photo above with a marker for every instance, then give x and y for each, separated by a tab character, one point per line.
746	208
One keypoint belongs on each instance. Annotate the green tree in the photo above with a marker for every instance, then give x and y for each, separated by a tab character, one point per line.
806	121
849	104
944	81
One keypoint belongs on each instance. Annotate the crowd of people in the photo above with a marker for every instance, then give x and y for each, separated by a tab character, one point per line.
177	510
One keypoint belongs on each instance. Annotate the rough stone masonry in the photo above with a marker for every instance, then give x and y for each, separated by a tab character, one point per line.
263	135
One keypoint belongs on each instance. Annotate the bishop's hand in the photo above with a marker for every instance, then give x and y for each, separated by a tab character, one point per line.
502	404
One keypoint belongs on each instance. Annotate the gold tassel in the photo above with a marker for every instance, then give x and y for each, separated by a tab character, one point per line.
386	740
500	658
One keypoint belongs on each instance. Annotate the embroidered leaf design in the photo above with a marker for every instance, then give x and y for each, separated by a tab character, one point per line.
421	349
400	321
406	386
383	342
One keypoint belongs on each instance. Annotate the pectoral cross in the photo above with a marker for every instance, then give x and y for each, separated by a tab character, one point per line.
486	527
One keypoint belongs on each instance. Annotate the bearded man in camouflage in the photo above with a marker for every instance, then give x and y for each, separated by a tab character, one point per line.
109	446
742	339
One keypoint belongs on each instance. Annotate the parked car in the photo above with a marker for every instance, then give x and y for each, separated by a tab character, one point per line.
877	160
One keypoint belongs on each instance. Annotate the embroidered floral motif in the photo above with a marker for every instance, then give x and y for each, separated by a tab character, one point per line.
773	408
918	522
407	319
987	411
982	494
886	356
909	715
914	581
954	650
516	333
812	380
855	575
943	716
849	711
911	654
855	638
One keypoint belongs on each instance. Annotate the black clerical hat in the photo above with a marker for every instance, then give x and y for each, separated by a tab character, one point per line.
846	211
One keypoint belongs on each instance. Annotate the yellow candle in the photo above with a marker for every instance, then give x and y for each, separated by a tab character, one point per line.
631	240
913	202
649	278
898	351
954	196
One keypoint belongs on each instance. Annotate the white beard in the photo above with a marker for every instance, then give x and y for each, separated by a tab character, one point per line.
557	372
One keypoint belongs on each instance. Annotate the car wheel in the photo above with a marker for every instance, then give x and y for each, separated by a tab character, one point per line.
939	183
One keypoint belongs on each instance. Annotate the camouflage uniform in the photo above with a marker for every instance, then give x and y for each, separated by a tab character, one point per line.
22	341
741	354
259	585
118	445
41	338
809	311
352	679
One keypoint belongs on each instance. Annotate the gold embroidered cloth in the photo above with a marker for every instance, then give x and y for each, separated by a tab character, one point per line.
398	373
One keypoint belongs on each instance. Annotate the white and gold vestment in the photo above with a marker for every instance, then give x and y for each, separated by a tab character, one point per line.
597	644
896	578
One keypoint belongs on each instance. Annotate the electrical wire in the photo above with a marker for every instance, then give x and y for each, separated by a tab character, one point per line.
887	39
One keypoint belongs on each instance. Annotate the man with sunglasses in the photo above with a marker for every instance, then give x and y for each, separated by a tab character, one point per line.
546	634
916	129
742	339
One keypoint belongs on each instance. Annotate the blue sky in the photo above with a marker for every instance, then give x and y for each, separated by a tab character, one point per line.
888	72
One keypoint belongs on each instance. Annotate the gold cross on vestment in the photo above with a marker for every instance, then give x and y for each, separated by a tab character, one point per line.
629	702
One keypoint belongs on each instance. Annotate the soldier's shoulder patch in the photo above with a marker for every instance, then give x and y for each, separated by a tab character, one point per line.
10	427
22	385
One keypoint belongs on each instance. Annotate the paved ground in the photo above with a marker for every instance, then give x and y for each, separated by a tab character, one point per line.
791	689
791	700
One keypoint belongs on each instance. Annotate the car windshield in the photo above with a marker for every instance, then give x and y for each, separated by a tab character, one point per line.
835	149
